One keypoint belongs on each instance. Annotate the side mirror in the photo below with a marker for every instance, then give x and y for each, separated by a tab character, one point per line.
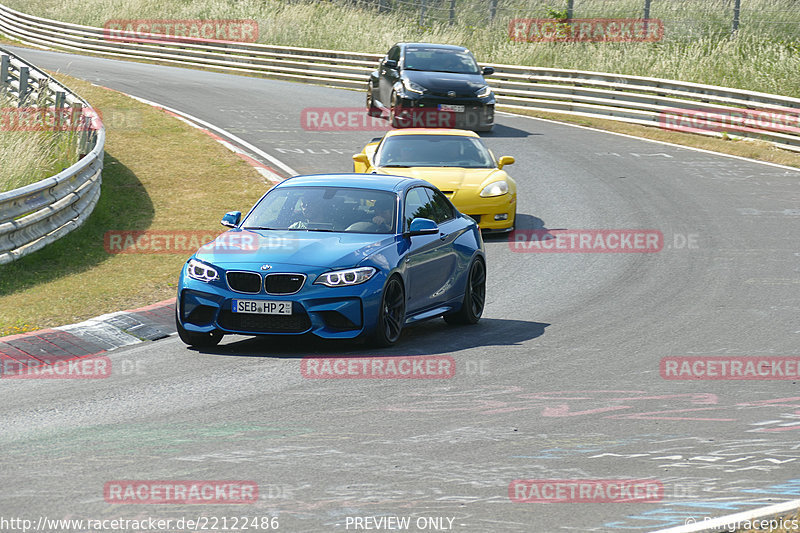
231	219
390	64
505	160
360	162
422	226
488	71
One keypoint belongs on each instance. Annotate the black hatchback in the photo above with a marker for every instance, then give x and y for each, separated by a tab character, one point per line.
432	85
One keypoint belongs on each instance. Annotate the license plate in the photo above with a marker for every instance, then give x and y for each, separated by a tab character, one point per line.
262	307
452	108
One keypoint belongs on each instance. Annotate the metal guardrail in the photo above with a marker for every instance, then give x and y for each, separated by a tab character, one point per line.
40	213
682	106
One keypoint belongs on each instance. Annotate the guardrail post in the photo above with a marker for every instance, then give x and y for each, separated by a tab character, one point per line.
737	4
452	12
58	110
5	61
492	9
73	124
570	8
422	5
24	73
646	16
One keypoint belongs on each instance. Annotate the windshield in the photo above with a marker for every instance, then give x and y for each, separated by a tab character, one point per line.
434	151
440	60
336	209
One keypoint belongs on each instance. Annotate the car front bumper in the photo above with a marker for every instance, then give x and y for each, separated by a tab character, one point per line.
423	111
328	312
497	213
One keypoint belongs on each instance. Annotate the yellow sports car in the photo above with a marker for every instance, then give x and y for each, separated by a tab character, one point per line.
455	161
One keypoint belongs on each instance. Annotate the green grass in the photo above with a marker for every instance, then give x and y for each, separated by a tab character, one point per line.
149	155
30	156
763	56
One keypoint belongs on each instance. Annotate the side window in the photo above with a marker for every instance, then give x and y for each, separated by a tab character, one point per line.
418	205
441	207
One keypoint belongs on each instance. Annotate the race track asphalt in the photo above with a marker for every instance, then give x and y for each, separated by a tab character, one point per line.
559	381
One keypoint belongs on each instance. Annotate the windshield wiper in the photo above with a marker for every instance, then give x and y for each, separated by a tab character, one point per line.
259	227
454	71
397	166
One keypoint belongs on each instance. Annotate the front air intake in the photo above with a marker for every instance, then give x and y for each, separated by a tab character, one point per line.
284	283
247	282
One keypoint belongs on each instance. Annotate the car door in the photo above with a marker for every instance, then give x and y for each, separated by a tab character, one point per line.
450	227
388	76
430	262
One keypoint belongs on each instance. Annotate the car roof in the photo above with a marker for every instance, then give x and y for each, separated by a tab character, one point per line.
436	45
380	182
432	131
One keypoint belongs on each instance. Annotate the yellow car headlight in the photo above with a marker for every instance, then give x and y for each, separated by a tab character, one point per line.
498	188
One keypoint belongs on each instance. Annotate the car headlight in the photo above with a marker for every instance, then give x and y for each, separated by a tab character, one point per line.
201	271
484	91
413	87
498	188
340	278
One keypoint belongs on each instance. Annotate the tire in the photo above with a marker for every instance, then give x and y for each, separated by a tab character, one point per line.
394	120
474	296
372	109
198	340
391	315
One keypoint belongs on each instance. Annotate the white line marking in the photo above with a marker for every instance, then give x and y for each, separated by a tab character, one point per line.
275	161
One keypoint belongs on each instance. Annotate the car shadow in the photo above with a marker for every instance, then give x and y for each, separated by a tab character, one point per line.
501	130
428	338
523	222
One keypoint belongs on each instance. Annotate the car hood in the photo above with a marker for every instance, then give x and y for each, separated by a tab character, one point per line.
446	81
306	248
449	178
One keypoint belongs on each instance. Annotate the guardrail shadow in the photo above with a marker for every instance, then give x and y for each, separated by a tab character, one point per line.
124	204
433	337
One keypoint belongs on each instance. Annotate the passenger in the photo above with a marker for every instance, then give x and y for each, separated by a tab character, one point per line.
310	212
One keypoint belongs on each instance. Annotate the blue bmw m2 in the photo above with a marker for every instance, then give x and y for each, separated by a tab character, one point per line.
340	256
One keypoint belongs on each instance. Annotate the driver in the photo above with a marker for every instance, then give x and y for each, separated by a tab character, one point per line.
400	154
384	214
